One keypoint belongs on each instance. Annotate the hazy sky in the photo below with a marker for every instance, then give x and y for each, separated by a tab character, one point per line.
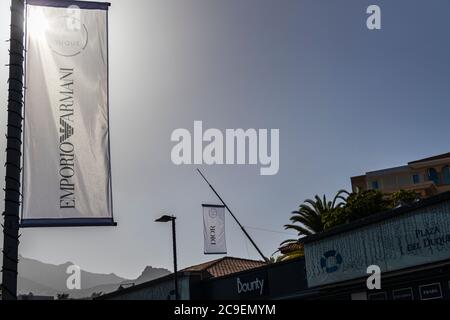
346	100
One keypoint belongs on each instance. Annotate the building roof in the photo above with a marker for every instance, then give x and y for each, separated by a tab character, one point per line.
213	269
400	169
225	266
388	171
438	157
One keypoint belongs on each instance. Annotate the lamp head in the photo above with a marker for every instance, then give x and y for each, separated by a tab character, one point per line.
165	218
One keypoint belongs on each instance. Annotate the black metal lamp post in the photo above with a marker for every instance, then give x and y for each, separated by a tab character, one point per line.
173	219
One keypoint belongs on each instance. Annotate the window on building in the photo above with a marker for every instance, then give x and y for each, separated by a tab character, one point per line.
446	174
433	176
416	179
375	185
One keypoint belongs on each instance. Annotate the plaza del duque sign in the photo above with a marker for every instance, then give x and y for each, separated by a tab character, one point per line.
419	237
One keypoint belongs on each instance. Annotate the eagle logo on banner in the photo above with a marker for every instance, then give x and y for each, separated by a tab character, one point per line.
66	130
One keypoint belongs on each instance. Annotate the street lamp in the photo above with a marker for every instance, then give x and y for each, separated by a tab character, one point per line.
165	219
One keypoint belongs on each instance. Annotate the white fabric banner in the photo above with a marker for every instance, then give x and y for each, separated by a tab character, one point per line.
67	171
214	229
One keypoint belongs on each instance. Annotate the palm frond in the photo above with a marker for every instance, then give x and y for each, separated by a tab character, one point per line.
291	241
302	231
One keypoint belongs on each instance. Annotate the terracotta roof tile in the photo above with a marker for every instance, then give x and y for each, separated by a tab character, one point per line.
226	266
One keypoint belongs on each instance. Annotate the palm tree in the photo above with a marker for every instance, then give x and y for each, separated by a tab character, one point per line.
308	219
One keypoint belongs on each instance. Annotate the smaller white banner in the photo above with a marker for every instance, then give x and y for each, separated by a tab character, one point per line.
214	229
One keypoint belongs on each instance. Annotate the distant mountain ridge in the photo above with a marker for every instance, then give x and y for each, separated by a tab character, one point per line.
50	280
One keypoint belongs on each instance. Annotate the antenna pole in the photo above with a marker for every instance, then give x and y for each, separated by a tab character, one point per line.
234	217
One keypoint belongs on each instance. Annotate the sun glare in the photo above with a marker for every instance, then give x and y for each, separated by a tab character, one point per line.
37	24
